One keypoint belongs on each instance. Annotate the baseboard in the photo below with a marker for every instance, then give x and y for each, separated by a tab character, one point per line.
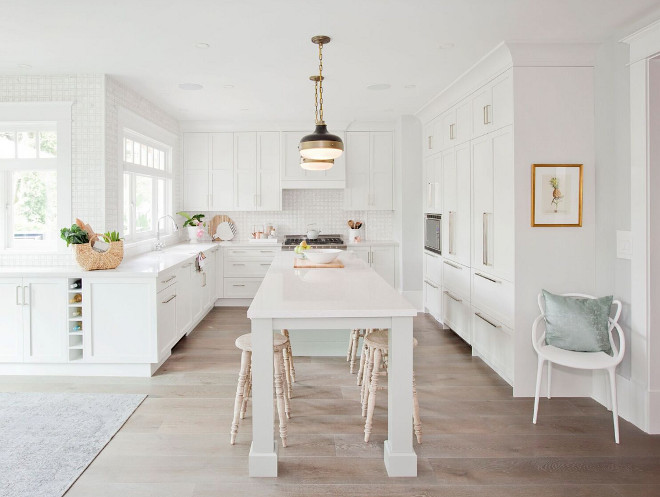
233	302
633	400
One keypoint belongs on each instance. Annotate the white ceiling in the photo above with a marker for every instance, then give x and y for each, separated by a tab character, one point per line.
263	48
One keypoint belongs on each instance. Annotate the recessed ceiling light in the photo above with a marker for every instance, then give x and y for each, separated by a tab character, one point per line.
410	87
246	109
202	45
446	46
228	87
379	86
24	66
190	86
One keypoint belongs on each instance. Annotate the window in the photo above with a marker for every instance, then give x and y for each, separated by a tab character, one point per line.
35	172
147	185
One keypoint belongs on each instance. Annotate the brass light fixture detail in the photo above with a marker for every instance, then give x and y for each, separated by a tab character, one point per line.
319	149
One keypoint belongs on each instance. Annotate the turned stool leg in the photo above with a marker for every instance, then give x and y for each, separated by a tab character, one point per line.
279	370
363	358
373	387
417	422
350	345
366	380
248	389
240	389
291	369
355	340
287	371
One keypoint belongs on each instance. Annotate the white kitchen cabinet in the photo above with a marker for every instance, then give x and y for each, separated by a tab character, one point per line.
295	177
244	269
196	295
196	160
456	204
456	314
493	204
381	258
183	302
370	169
222	171
433	300
433	184
493	342
492	105
433	137
44	319
245	171
167	334
11	324
269	193
433	267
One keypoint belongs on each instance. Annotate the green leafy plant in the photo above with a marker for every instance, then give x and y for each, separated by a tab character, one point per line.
74	235
111	236
194	220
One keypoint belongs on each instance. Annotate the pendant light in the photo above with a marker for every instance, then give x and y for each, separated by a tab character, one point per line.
320	145
316	164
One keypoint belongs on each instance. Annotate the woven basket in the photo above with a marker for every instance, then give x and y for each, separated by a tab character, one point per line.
90	260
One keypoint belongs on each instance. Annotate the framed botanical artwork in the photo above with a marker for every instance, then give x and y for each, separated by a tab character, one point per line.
557	195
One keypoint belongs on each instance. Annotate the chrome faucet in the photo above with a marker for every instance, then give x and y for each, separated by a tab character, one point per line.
159	245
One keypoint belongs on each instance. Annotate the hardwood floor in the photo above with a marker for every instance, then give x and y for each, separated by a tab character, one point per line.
478	439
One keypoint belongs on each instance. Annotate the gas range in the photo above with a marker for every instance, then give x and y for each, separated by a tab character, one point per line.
323	241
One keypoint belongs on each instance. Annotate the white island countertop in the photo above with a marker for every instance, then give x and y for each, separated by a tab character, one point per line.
352	291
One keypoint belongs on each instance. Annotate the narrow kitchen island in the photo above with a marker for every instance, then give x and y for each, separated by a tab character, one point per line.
319	299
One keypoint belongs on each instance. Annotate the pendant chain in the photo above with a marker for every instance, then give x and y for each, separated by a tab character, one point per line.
319	118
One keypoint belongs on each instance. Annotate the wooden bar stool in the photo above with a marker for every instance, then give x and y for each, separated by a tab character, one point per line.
353	342
376	345
363	360
288	363
244	387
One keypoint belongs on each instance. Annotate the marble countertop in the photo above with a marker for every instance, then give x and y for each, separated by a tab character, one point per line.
353	291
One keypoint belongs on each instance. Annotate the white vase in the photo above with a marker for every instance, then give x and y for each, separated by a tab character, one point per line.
192	233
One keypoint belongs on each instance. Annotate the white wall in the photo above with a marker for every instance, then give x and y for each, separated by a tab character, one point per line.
408	222
554	124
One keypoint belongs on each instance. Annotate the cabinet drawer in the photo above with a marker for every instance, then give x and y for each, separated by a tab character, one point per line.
456	278
493	295
251	253
456	314
493	342
432	300
166	279
236	268
241	287
433	268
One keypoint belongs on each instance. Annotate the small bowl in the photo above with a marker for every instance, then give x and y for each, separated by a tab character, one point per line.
322	256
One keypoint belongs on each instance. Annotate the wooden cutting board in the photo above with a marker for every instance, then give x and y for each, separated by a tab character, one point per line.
215	221
304	263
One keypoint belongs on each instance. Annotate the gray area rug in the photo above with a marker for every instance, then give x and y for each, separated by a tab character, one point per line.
48	439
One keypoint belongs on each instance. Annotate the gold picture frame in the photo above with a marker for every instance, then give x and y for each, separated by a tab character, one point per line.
556	195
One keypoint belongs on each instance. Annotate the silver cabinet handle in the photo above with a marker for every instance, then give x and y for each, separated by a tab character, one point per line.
266	251
488	119
431	255
452	134
430	284
237	285
238	264
203	279
451	233
18	287
487	278
265	264
26	302
430	143
455	266
170	299
448	294
169	279
484	236
480	316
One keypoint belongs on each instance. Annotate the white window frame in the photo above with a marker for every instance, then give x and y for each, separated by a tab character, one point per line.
133	126
33	115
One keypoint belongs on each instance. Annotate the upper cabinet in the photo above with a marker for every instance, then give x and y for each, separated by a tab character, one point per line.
492	105
231	171
370	169
295	177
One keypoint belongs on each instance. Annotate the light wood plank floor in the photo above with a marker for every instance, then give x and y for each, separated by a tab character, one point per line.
478	439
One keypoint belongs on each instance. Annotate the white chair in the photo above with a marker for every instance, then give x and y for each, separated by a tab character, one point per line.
578	360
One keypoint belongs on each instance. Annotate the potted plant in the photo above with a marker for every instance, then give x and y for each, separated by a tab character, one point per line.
195	225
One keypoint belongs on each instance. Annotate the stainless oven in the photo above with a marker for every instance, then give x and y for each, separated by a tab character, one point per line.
433	233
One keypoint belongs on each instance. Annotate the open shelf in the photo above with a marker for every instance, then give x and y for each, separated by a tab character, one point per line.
75	317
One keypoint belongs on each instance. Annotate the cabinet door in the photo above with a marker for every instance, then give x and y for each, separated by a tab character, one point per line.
183	298
269	194
503	204
167	332
45	319
429	184
449	200
196	190
196	295
432	300
363	253
245	170
463	128
222	171
382	261
448	129
482	203
338	170
456	314
11	327
481	110
502	101
382	167
291	160
433	136
211	277
463	211
356	194
196	151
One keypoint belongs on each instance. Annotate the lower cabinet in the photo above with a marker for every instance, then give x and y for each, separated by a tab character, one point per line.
381	258
433	300
184	316
11	324
493	342
456	314
167	325
244	269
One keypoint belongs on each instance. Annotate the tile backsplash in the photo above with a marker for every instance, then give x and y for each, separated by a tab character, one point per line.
324	208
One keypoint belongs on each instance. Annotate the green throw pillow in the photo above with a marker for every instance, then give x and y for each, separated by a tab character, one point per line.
577	324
